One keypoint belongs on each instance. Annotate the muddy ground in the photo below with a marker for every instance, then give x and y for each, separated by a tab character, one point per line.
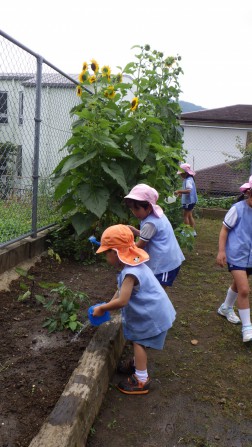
201	390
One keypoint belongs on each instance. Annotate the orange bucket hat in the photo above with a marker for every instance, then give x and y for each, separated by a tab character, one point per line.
120	238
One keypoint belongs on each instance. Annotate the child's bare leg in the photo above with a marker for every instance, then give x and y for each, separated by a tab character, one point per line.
140	357
191	220
241	284
138	383
186	217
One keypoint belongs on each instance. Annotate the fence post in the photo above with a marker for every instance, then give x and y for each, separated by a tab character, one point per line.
37	120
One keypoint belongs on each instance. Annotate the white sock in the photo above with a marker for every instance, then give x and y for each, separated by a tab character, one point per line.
245	316
141	375
230	298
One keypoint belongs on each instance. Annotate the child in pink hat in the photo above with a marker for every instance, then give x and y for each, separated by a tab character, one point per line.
156	234
235	249
147	314
188	194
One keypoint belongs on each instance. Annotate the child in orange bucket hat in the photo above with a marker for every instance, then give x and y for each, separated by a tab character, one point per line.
147	312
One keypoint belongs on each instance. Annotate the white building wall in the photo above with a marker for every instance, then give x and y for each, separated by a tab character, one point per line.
210	146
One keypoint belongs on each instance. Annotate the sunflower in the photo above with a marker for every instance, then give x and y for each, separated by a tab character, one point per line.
92	79
111	92
94	65
134	104
106	71
119	77
83	76
84	66
78	90
169	61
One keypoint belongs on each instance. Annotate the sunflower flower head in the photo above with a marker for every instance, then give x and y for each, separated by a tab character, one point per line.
134	104
94	66
83	76
111	92
84	66
106	71
169	61
119	77
92	79
78	90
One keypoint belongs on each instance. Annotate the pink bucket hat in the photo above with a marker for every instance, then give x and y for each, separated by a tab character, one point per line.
186	168
121	239
246	186
145	193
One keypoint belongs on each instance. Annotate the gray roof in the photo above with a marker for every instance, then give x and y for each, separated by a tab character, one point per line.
48	79
222	179
238	114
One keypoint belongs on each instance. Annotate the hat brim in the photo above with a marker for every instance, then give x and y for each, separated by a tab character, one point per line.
245	186
131	255
190	172
134	197
102	248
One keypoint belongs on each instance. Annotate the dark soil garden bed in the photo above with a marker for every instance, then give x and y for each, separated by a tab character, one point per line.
35	365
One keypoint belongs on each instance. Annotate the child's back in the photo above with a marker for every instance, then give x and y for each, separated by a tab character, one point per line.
149	310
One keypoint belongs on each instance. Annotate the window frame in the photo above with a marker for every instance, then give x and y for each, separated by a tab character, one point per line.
3	106
21	108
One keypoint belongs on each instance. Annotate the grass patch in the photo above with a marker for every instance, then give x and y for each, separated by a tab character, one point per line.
16	217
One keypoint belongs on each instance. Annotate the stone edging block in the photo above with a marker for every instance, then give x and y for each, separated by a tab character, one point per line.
69	423
20	251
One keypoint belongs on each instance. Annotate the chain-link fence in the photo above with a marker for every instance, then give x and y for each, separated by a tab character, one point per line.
221	156
35	103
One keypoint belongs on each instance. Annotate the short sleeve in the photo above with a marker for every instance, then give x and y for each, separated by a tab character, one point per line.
189	183
147	231
231	218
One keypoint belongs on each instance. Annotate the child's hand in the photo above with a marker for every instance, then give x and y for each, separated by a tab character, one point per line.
177	193
221	258
133	229
98	311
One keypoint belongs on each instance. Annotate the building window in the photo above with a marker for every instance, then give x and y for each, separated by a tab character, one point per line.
3	108
19	161
21	108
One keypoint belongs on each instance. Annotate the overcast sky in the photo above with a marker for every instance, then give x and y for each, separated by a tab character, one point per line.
213	37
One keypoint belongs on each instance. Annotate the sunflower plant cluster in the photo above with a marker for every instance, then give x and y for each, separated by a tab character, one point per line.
126	131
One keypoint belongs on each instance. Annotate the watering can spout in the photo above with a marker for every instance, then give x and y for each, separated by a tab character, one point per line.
93	240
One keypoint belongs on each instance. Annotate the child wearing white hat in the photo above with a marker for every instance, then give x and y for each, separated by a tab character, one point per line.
188	194
156	234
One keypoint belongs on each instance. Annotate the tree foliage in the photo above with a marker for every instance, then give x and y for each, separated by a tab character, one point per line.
125	132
